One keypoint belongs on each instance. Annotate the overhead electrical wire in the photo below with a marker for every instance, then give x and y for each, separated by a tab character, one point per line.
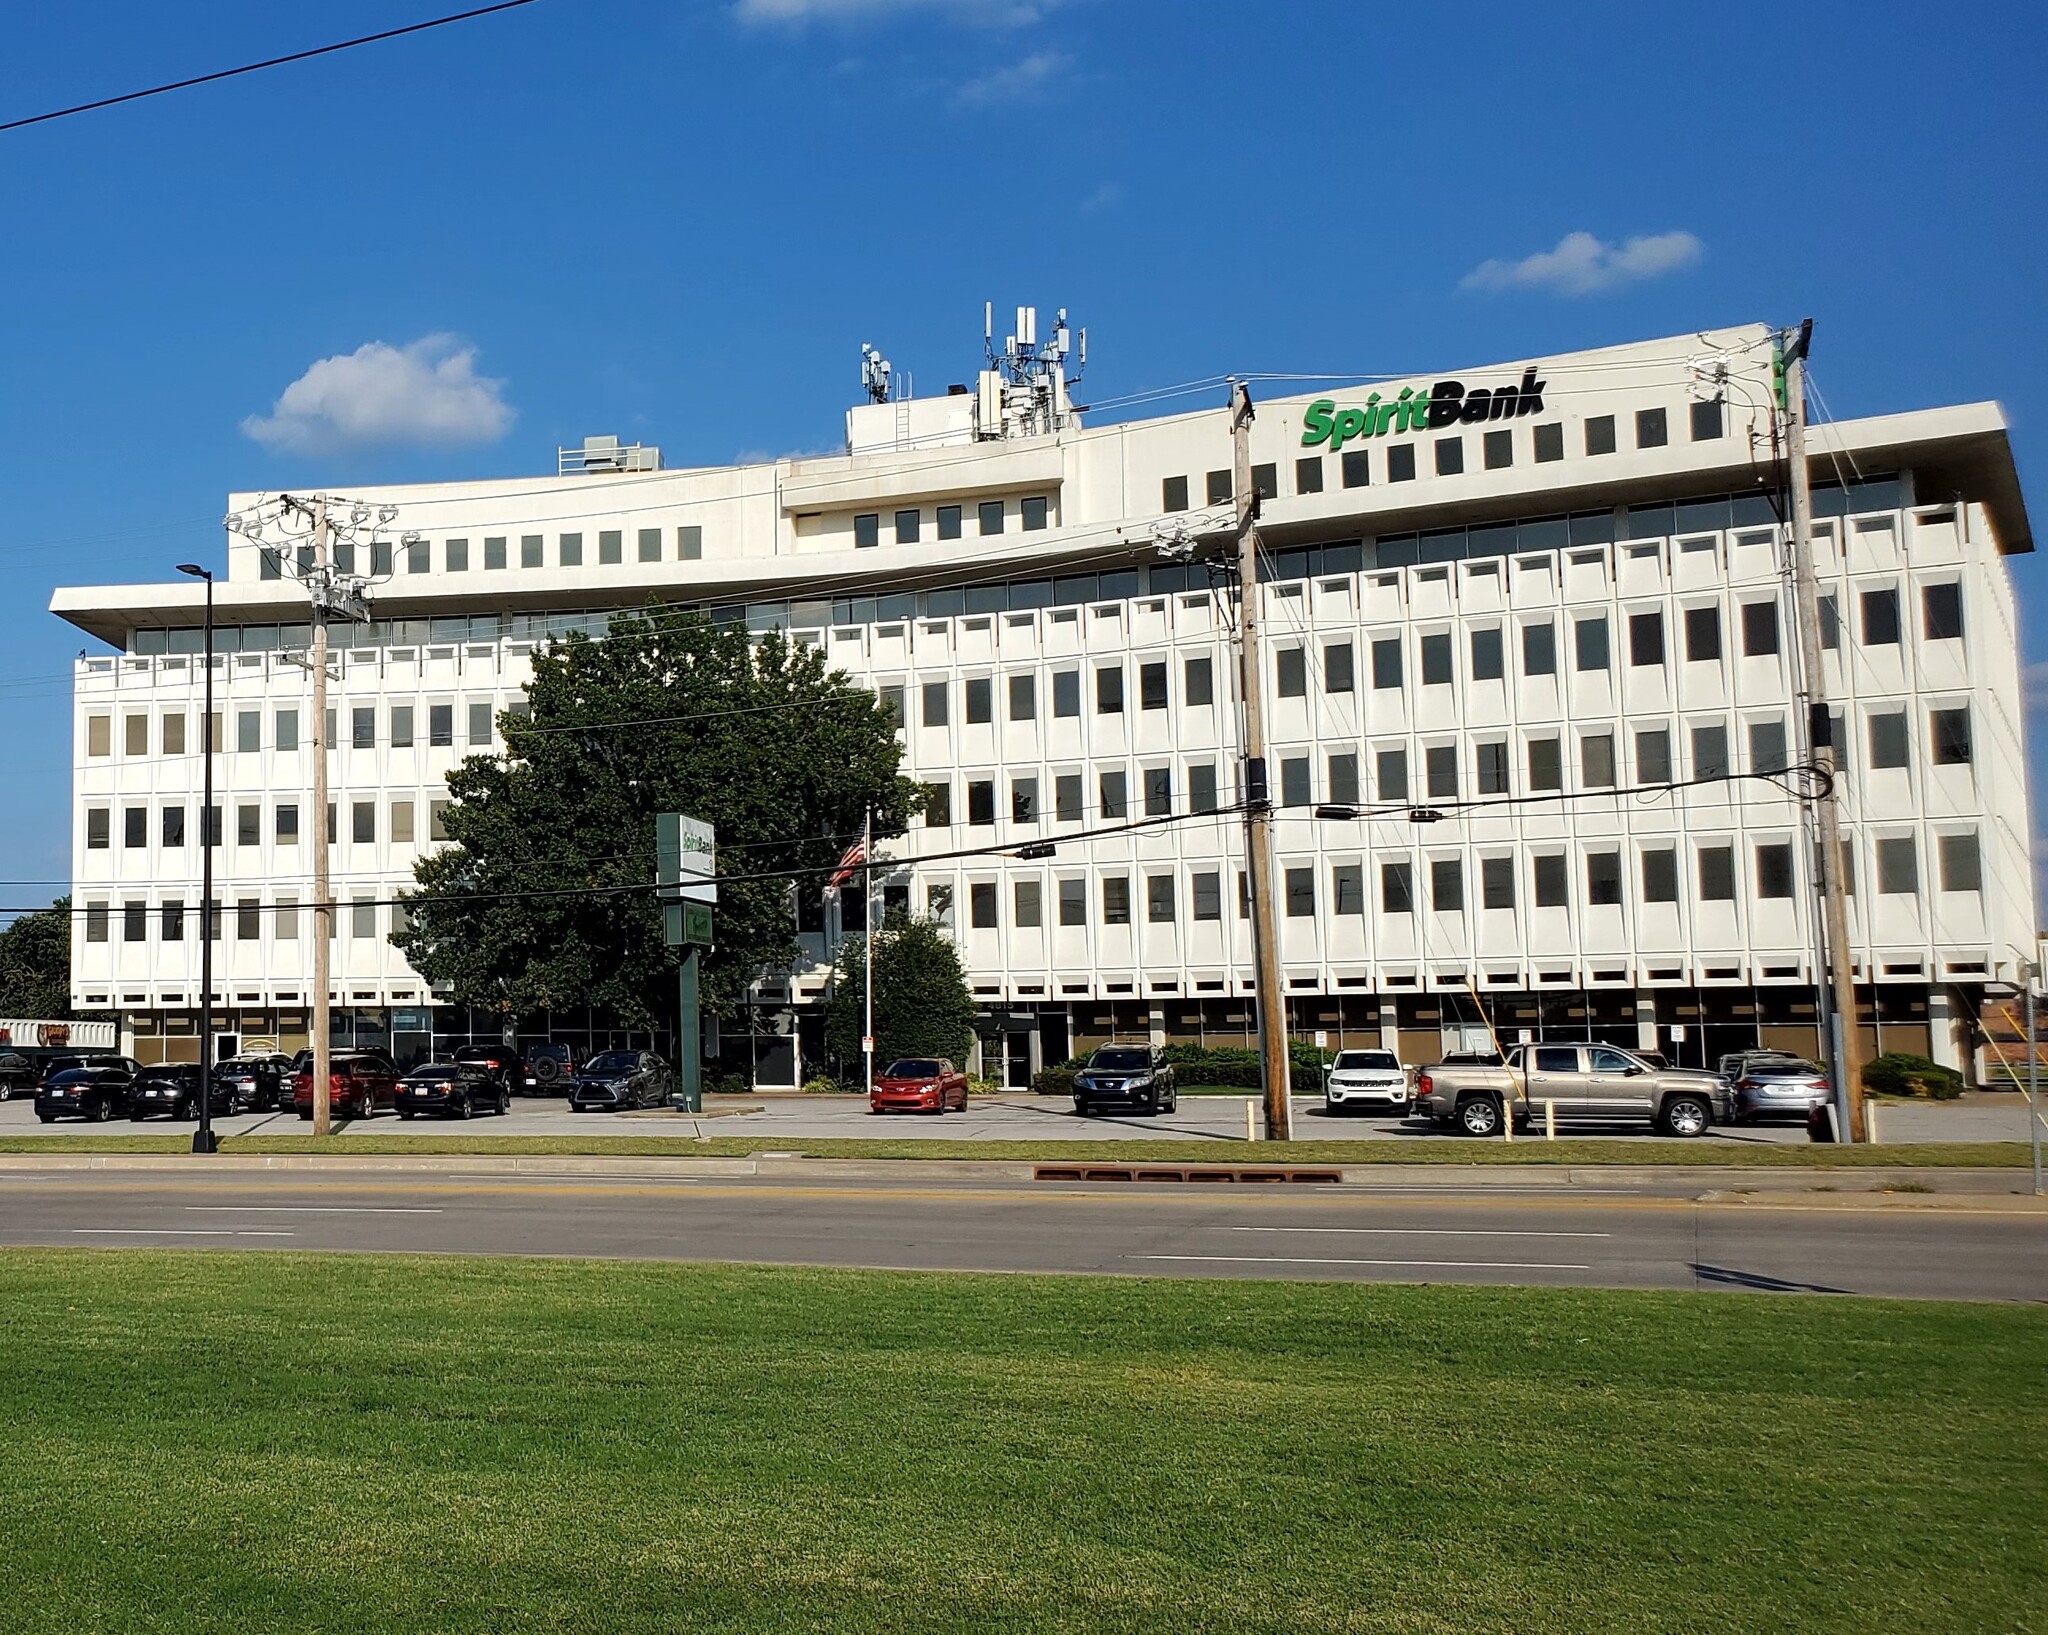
257	67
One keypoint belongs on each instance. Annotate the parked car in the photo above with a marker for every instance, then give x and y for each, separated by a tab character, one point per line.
254	1083
549	1067
167	1090
1136	1077
92	1093
1738	1062
18	1075
358	1083
919	1084
1780	1087
618	1079
502	1062
454	1090
1366	1078
1585	1082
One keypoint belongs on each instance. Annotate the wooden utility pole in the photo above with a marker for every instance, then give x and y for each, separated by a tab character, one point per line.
323	909
1846	1041
1258	814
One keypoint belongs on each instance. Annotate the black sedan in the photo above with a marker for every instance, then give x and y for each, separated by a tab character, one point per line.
168	1091
92	1093
617	1079
453	1090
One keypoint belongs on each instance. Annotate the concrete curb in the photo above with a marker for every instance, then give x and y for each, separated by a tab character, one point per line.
1717	1182
1969	1203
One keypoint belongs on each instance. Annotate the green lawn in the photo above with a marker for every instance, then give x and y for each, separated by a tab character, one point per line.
280	1444
1419	1150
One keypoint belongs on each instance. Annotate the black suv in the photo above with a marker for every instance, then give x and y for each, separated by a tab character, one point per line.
167	1090
1135	1077
92	1093
616	1079
549	1068
253	1084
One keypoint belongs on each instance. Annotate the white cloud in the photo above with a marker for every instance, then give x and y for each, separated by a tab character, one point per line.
2035	679
975	13
1584	265
1020	81
425	393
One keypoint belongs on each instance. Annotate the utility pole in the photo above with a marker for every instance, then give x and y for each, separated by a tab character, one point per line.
1846	1041
323	910
1258	807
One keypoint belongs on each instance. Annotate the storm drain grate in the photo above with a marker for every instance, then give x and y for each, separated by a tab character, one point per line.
1216	1173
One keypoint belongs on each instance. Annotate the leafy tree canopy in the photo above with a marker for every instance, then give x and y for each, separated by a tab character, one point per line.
923	1006
669	713
35	964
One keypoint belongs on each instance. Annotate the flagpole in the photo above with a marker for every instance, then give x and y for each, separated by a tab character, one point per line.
867	844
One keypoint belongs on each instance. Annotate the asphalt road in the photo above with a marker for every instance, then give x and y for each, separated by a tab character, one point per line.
1591	1234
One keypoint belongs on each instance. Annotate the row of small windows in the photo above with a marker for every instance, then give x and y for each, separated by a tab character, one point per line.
978	693
1395	779
404	728
401	824
988	517
380	559
1709	514
1444	887
247	916
1447	454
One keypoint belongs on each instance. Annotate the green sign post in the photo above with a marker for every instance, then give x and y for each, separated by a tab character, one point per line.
685	867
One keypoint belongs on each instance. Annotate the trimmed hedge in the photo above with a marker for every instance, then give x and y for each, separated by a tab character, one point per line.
1229	1066
1897	1073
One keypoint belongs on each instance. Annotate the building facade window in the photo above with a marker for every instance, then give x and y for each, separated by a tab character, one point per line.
1941	612
1652	430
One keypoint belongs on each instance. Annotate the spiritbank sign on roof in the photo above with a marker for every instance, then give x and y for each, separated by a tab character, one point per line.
1447	403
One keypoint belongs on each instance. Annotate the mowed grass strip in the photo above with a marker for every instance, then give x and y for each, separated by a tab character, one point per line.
281	1443
1137	1149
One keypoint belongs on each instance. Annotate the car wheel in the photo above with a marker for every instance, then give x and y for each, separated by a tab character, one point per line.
1173	1102
1685	1116
102	1111
504	1103
1479	1115
461	1109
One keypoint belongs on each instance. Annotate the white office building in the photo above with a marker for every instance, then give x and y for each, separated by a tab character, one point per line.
1562	577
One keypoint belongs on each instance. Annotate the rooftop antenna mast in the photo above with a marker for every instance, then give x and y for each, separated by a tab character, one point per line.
1023	390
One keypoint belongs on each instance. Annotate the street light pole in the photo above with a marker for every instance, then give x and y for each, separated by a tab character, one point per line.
203	1139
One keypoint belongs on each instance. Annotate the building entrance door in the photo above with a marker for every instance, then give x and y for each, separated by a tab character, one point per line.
1017	1061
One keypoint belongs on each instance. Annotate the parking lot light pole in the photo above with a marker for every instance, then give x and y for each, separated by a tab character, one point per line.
203	1139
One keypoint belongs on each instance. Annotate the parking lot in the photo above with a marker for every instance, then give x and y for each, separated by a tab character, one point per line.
776	1119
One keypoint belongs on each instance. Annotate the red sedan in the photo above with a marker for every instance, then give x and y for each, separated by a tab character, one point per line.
919	1084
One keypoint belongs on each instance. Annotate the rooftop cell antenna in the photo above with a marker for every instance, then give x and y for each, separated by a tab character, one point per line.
874	374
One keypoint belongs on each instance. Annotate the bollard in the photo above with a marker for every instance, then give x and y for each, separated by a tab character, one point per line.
1550	1121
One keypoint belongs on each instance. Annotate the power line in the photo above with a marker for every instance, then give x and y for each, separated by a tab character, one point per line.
254	67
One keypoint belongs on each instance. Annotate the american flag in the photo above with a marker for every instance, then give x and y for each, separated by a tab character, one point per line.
856	854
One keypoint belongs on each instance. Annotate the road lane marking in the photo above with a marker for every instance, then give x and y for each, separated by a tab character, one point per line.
1420	1231
312	1209
171	1232
1313	1260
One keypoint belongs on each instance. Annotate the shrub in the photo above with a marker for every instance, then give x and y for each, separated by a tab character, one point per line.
1896	1073
1054	1081
977	1086
822	1084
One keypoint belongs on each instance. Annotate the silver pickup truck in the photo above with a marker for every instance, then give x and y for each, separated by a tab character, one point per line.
1585	1081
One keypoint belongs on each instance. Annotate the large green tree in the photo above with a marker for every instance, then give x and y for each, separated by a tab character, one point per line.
923	1006
35	964
539	901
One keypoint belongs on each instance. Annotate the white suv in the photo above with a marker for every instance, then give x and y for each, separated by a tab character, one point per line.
1365	1078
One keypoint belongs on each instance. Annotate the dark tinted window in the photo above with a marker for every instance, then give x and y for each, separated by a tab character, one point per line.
1500	449
1450	456
1600	434
1646	638
1706	421
1651	431
1308	474
1173	494
1942	612
1759	628
1950	731
1539	650
1702	633
1486	655
1550	442
1401	463
1880	618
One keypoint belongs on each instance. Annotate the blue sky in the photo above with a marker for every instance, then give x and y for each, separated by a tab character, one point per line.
678	221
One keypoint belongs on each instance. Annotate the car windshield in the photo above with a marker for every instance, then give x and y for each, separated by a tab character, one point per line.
913	1067
613	1061
1360	1061
1121	1061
